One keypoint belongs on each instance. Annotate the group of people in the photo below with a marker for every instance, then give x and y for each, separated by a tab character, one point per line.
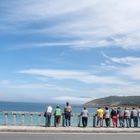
57	115
121	117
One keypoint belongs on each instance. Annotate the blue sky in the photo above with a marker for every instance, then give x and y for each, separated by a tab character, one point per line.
58	50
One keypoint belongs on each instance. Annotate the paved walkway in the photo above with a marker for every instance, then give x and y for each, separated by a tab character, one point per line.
38	129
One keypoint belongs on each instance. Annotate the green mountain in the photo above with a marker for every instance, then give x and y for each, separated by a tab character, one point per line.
115	101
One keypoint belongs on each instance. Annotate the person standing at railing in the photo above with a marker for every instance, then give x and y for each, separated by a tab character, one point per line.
67	113
48	114
127	117
114	117
120	115
134	117
84	115
57	115
139	116
100	114
107	116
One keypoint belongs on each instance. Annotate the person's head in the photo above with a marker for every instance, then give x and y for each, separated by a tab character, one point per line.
126	108
133	108
99	107
119	108
67	103
106	108
57	106
84	108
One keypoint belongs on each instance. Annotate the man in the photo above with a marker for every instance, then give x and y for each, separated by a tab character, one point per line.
127	117
84	115
100	114
67	113
134	116
48	115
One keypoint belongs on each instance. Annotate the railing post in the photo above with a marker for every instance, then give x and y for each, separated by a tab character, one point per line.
110	120
94	120
54	121
23	119
14	118
71	123
63	119
6	118
78	120
39	119
31	119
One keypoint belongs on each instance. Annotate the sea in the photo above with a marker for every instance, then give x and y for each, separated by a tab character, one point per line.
38	107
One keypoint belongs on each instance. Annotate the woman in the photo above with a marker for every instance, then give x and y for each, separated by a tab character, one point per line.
114	117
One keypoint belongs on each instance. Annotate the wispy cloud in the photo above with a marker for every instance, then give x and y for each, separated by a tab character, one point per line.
81	76
129	60
131	68
93	23
72	99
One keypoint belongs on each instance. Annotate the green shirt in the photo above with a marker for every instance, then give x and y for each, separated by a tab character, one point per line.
57	112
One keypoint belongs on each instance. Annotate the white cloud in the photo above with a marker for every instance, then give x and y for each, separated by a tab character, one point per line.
129	90
94	23
81	76
129	60
72	99
131	69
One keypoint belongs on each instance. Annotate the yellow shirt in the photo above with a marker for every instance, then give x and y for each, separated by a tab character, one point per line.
100	113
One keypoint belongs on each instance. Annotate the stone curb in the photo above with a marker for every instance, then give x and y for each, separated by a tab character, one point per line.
28	129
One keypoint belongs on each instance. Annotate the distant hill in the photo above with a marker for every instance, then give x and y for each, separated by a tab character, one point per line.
115	101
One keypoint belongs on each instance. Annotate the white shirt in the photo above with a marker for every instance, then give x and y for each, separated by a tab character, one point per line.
49	109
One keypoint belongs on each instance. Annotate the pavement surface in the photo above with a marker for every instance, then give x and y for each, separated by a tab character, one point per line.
34	136
39	129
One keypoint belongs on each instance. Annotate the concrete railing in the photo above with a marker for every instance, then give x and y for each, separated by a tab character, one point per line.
38	119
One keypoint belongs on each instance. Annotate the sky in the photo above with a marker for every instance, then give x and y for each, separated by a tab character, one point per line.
69	50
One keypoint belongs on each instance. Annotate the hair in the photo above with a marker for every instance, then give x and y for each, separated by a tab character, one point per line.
106	108
84	108
67	103
57	106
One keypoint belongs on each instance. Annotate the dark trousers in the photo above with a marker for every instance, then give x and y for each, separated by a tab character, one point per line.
135	121
84	121
121	121
100	120
107	122
48	120
68	118
57	121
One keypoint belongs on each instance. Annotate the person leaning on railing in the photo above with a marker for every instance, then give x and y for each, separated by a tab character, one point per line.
120	115
47	115
57	115
114	117
99	115
139	116
67	113
127	117
84	114
107	116
134	117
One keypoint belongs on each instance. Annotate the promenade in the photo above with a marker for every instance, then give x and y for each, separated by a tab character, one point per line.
38	129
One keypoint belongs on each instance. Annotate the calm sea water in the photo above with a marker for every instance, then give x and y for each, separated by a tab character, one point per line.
36	107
